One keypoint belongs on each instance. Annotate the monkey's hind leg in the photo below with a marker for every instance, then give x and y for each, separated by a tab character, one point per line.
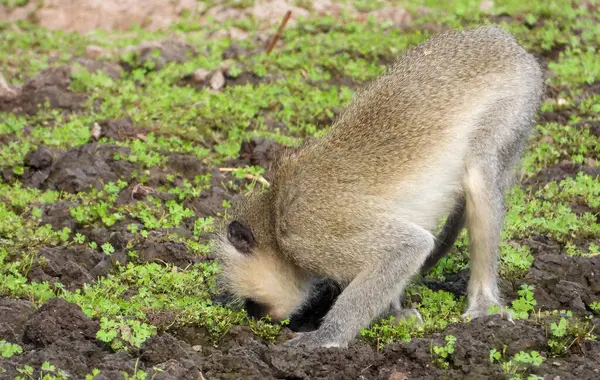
443	243
484	215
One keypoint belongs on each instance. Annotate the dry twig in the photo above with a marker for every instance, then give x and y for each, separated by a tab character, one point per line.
248	176
278	34
141	189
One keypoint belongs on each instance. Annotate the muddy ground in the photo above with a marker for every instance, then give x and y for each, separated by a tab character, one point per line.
61	333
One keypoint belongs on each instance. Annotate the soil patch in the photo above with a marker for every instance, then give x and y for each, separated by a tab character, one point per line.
50	85
220	78
594	88
170	253
61	333
13	315
558	173
565	282
111	69
259	151
118	130
186	165
254	360
168	49
210	202
73	266
105	14
90	165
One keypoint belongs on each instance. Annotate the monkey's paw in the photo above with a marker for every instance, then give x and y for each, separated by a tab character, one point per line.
314	339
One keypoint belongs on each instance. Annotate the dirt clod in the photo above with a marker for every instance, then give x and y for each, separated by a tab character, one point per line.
260	151
41	158
57	320
119	129
169	50
171	253
72	266
89	165
111	69
565	282
13	315
50	85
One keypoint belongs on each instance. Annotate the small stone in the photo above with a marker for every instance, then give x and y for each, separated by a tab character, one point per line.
5	90
486	5
397	376
200	75
238	34
197	348
93	51
399	16
226	65
556	364
96	131
217	81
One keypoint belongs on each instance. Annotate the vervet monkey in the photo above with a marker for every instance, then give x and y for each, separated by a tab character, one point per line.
438	133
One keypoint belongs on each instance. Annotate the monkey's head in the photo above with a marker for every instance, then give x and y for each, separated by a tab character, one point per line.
253	270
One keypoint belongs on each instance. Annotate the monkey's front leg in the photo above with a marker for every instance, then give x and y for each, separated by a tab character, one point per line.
397	254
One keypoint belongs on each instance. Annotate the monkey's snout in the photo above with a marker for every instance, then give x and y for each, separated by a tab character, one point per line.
255	309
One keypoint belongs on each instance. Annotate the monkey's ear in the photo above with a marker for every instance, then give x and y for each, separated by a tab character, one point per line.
241	237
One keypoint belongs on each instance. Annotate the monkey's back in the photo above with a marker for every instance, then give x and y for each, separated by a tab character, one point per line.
408	111
404	139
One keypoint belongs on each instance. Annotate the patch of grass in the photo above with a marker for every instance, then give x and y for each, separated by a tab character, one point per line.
121	333
8	350
46	371
566	332
524	305
266	329
576	66
442	354
532	214
437	309
555	143
517	366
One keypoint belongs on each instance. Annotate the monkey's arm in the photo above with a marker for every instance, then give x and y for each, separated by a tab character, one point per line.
396	250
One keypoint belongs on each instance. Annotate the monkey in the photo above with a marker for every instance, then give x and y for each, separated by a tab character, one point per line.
438	133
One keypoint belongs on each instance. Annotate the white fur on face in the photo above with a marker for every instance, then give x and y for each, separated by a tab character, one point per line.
263	277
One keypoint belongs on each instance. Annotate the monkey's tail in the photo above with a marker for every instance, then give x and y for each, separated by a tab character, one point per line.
445	240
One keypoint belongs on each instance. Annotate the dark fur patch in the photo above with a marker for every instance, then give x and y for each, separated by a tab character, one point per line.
241	237
255	309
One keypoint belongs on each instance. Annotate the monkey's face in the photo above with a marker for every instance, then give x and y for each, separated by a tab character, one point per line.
255	273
